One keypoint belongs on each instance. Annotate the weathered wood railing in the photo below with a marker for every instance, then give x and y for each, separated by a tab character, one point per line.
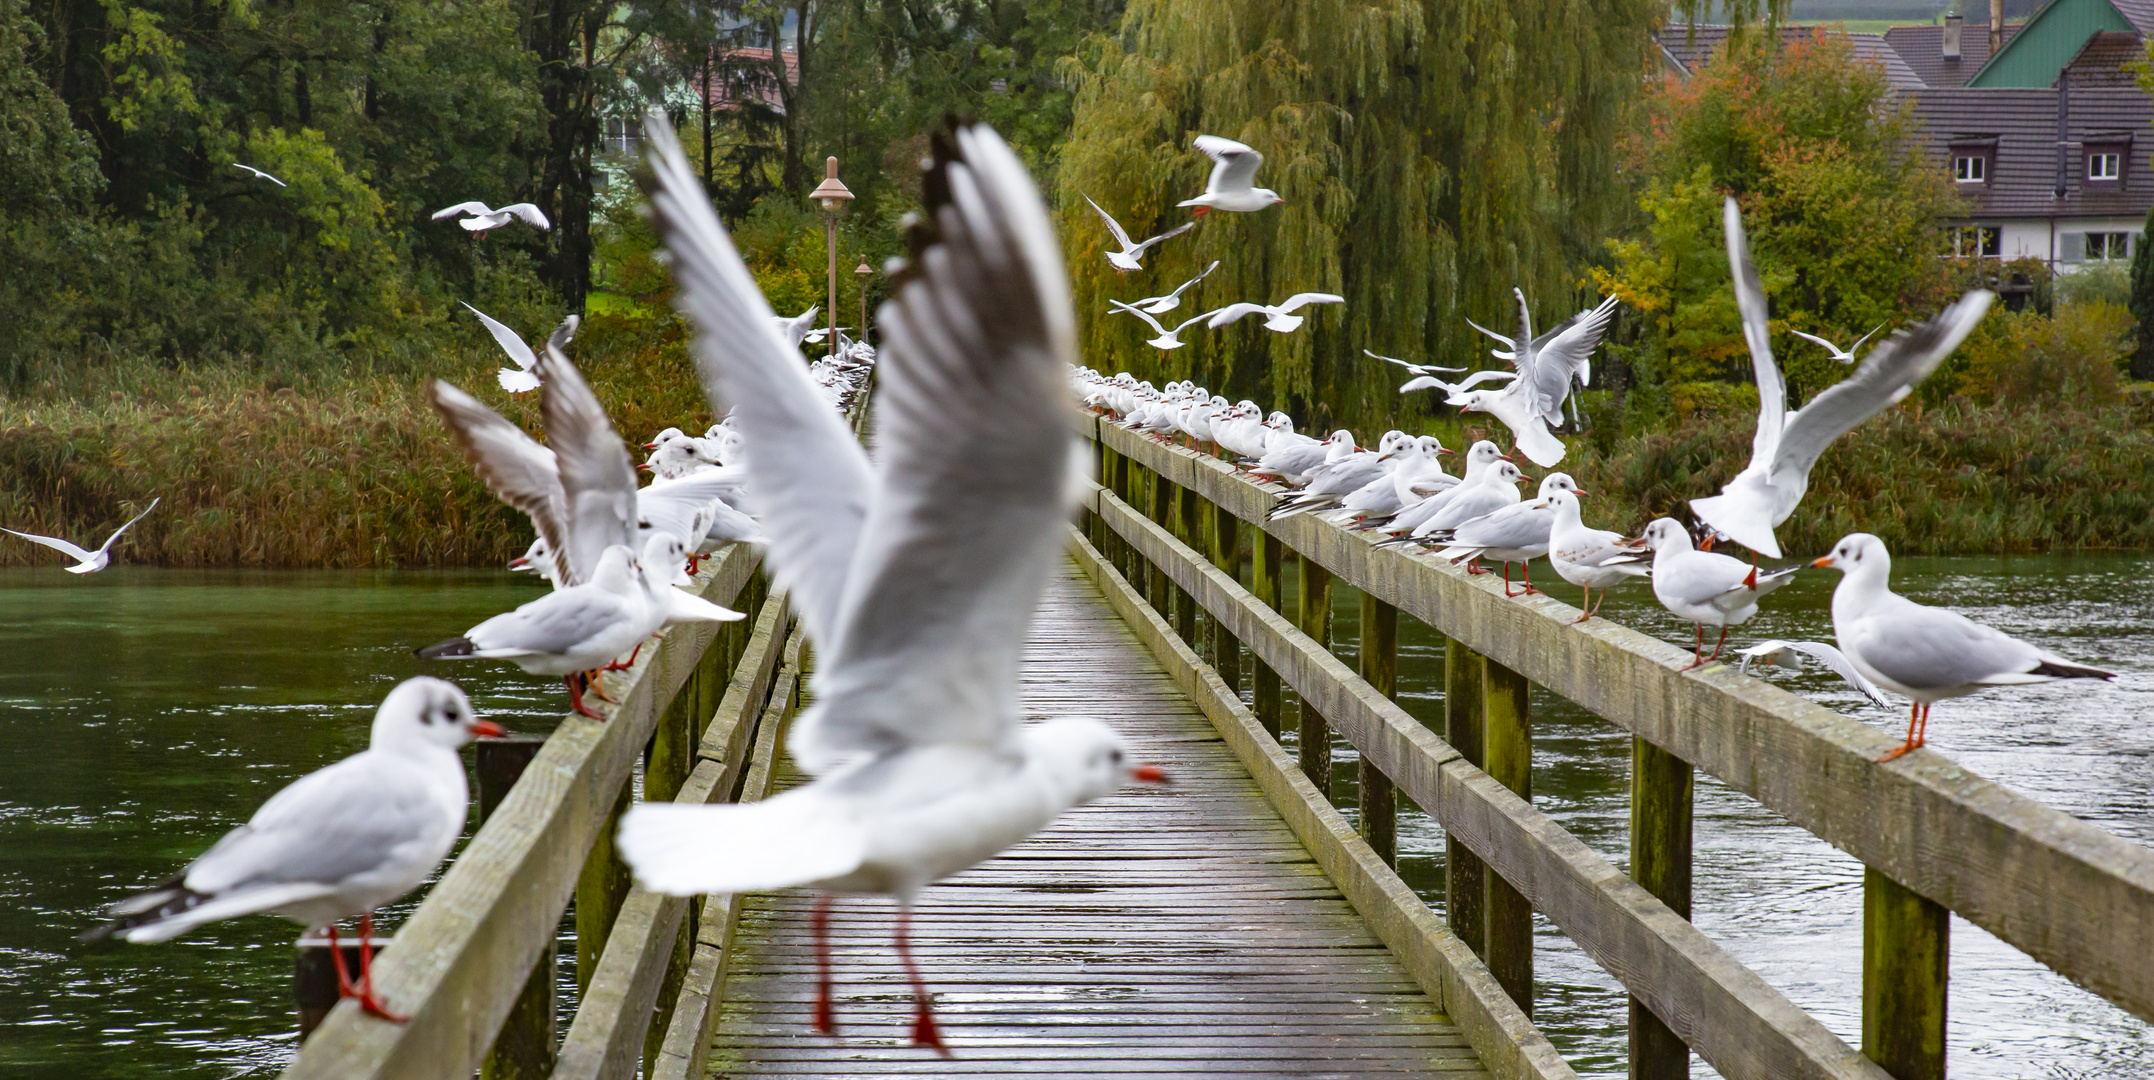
1934	838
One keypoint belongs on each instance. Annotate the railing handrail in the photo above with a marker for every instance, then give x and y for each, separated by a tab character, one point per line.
2062	890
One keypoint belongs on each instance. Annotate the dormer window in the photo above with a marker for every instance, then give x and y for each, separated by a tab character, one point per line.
2105	159
1970	167
2105	165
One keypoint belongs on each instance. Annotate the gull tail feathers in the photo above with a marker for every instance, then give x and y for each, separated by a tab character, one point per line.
1741	518
517	380
165	913
797	838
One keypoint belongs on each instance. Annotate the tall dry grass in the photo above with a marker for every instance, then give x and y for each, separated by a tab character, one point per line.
345	472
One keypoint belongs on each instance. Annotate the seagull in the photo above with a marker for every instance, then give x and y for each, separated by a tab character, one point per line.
1229	187
1705	586
1591	558
1431	382
816	336
1167	339
796	328
336	843
1418	369
1924	654
1160	305
1127	258
523	377
915	577
1278	316
1788	654
1517	533
260	175
1293	463
1546	366
1495	488
88	562
1479	457
1331	482
1787	443
1845	356
484	217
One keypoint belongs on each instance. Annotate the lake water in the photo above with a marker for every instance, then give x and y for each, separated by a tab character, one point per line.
145	712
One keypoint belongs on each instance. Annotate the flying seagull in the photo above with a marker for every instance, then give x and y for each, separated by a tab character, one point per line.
1167	339
87	562
484	217
524	376
1280	316
1418	369
1230	186
1846	355
260	174
1160	305
1127	258
1546	366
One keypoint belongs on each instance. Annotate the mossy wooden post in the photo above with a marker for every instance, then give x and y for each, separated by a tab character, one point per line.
1661	787
1906	942
524	1048
1161	512
1188	527
1226	554
1314	618
1463	870
600	888
1507	743
1380	667
1266	556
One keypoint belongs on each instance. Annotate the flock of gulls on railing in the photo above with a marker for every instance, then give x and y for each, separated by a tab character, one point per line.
916	576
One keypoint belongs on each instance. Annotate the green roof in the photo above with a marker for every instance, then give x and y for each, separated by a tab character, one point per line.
2039	52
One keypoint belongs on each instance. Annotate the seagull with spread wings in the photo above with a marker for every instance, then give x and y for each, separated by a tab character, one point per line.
523	378
88	562
1232	185
1167	339
1845	356
915	576
484	217
1130	254
1546	367
1160	305
260	175
1278	317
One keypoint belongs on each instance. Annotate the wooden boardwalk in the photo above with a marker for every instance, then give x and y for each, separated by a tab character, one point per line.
1182	931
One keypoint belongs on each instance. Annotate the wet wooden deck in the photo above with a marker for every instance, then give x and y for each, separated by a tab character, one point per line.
1182	931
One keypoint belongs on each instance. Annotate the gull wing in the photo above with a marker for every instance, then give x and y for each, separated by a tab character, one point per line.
974	443
1835	350
508	340
1776	651
515	468
1303	299
1499	337
1885	376
1233	312
1750	301
1927	648
335	823
1121	236
598	479
1168	235
1147	316
532	215
808	478
55	543
1207	272
1237	164
131	523
1566	352
462	208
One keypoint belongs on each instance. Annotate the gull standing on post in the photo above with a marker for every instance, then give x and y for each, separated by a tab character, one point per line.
88	562
484	217
524	376
1925	654
915	577
1546	366
336	843
1706	587
1787	443
1231	186
1127	258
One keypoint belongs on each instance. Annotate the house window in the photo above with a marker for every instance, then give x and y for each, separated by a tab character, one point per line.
623	136
2109	245
1977	242
2105	165
1970	168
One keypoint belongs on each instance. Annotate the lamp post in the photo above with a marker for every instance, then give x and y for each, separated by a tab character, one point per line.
832	194
863	272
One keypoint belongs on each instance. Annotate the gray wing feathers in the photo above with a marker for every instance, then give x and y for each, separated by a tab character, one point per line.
329	825
598	480
1750	302
515	468
1926	648
551	624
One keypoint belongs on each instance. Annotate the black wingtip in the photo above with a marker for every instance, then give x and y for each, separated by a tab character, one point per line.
446	650
2071	671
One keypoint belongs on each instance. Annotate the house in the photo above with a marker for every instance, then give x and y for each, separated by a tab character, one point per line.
2037	125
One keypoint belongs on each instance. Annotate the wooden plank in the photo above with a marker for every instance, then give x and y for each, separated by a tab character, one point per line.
1380	669
1507	742
1906	948
524	1047
1223	530
1734	1019
1505	1039
1661	787
462	957
2060	889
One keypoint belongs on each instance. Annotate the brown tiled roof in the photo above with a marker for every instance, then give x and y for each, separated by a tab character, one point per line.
2101	61
1922	48
724	92
2139	13
1694	46
2023	123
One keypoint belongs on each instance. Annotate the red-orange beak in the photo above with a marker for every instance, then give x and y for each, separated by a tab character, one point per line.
650	446
1441	450
1821	561
1577	492
488	728
1149	773
645	467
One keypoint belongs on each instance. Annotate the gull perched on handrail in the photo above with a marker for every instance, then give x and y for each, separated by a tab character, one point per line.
1591	558
1546	366
916	576
1160	305
1128	258
524	376
1231	187
1706	587
88	562
1787	444
484	217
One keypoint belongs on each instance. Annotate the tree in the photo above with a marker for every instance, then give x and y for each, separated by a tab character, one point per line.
2142	366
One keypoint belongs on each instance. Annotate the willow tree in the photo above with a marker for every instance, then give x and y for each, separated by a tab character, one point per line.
1432	155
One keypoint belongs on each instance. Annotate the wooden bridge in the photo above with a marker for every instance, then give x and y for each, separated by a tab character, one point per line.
1235	923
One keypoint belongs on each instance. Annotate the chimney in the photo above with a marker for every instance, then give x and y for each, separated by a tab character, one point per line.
1952	37
1996	27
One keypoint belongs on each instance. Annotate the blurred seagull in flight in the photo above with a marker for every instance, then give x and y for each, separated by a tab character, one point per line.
524	376
484	217
259	174
1846	355
87	562
1167	339
1127	258
1278	317
1160	305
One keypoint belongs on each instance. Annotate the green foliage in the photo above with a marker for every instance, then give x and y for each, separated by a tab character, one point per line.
2142	304
2105	281
2025	359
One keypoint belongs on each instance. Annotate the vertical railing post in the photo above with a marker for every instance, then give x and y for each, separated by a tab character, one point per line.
1380	668
524	1048
1267	558
1507	741
1161	512
1906	943
1315	620
1185	527
1661	787
1226	554
1463	870
600	888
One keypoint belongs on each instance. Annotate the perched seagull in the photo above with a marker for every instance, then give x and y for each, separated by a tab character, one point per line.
1591	558
1167	339
336	843
1705	586
1787	444
1332	482
1845	356
1924	654
1546	367
915	576
796	329
1160	305
1279	317
1495	488
484	217
88	562
1418	369
1774	652
523	378
1517	533
1232	176
1127	258
260	175
1293	463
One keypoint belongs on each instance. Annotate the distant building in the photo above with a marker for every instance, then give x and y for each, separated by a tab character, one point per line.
2038	138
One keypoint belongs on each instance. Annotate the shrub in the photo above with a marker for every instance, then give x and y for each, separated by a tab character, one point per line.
2074	356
